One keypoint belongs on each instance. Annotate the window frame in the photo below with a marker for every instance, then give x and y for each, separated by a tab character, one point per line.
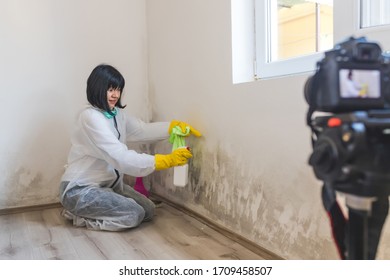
265	69
379	6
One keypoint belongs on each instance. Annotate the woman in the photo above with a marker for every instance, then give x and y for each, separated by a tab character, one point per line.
92	190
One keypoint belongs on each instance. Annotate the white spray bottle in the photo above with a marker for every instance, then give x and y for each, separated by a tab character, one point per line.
180	173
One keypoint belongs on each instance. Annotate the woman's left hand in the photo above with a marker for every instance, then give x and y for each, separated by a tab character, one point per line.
183	126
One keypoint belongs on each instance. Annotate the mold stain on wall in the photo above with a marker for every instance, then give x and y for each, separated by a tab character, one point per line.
223	191
26	187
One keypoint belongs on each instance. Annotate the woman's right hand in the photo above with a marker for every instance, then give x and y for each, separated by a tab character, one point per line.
178	157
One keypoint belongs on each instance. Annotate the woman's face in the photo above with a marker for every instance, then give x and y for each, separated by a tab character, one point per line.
113	95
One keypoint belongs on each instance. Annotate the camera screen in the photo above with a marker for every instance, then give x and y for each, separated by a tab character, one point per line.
356	83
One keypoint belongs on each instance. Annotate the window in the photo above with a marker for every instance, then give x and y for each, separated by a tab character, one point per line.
374	13
290	34
273	38
297	28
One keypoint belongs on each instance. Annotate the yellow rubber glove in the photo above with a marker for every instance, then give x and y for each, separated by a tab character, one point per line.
183	126
179	156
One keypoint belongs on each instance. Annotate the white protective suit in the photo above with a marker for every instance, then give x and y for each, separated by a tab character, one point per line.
92	190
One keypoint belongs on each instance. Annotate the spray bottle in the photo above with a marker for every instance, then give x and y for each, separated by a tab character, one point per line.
180	173
140	187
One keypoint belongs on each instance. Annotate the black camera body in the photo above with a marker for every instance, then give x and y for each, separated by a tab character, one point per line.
351	140
354	60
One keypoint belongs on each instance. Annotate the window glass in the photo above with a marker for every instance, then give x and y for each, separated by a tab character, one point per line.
299	27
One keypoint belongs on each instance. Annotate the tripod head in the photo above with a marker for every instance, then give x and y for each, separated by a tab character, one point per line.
351	152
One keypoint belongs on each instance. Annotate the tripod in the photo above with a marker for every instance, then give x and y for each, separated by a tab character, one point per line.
364	226
353	158
356	237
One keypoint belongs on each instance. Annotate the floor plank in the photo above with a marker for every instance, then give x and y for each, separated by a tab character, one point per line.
45	234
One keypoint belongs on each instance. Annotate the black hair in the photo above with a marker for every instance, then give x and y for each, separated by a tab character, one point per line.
101	79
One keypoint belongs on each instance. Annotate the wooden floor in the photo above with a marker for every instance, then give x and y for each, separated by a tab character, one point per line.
45	234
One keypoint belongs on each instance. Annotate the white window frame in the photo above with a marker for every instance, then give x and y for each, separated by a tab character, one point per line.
346	24
348	12
381	8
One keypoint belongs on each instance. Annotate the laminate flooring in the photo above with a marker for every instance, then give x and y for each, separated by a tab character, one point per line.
45	234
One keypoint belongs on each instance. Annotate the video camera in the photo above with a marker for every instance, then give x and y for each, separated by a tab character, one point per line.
349	116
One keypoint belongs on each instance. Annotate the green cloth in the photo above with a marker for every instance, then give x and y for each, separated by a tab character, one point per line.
177	137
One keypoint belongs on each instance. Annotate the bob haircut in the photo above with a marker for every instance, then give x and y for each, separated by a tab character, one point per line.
101	79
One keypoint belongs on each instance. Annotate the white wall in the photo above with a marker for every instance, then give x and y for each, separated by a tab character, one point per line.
249	172
47	50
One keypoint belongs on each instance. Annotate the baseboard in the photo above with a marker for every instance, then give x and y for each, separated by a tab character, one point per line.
250	245
22	209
